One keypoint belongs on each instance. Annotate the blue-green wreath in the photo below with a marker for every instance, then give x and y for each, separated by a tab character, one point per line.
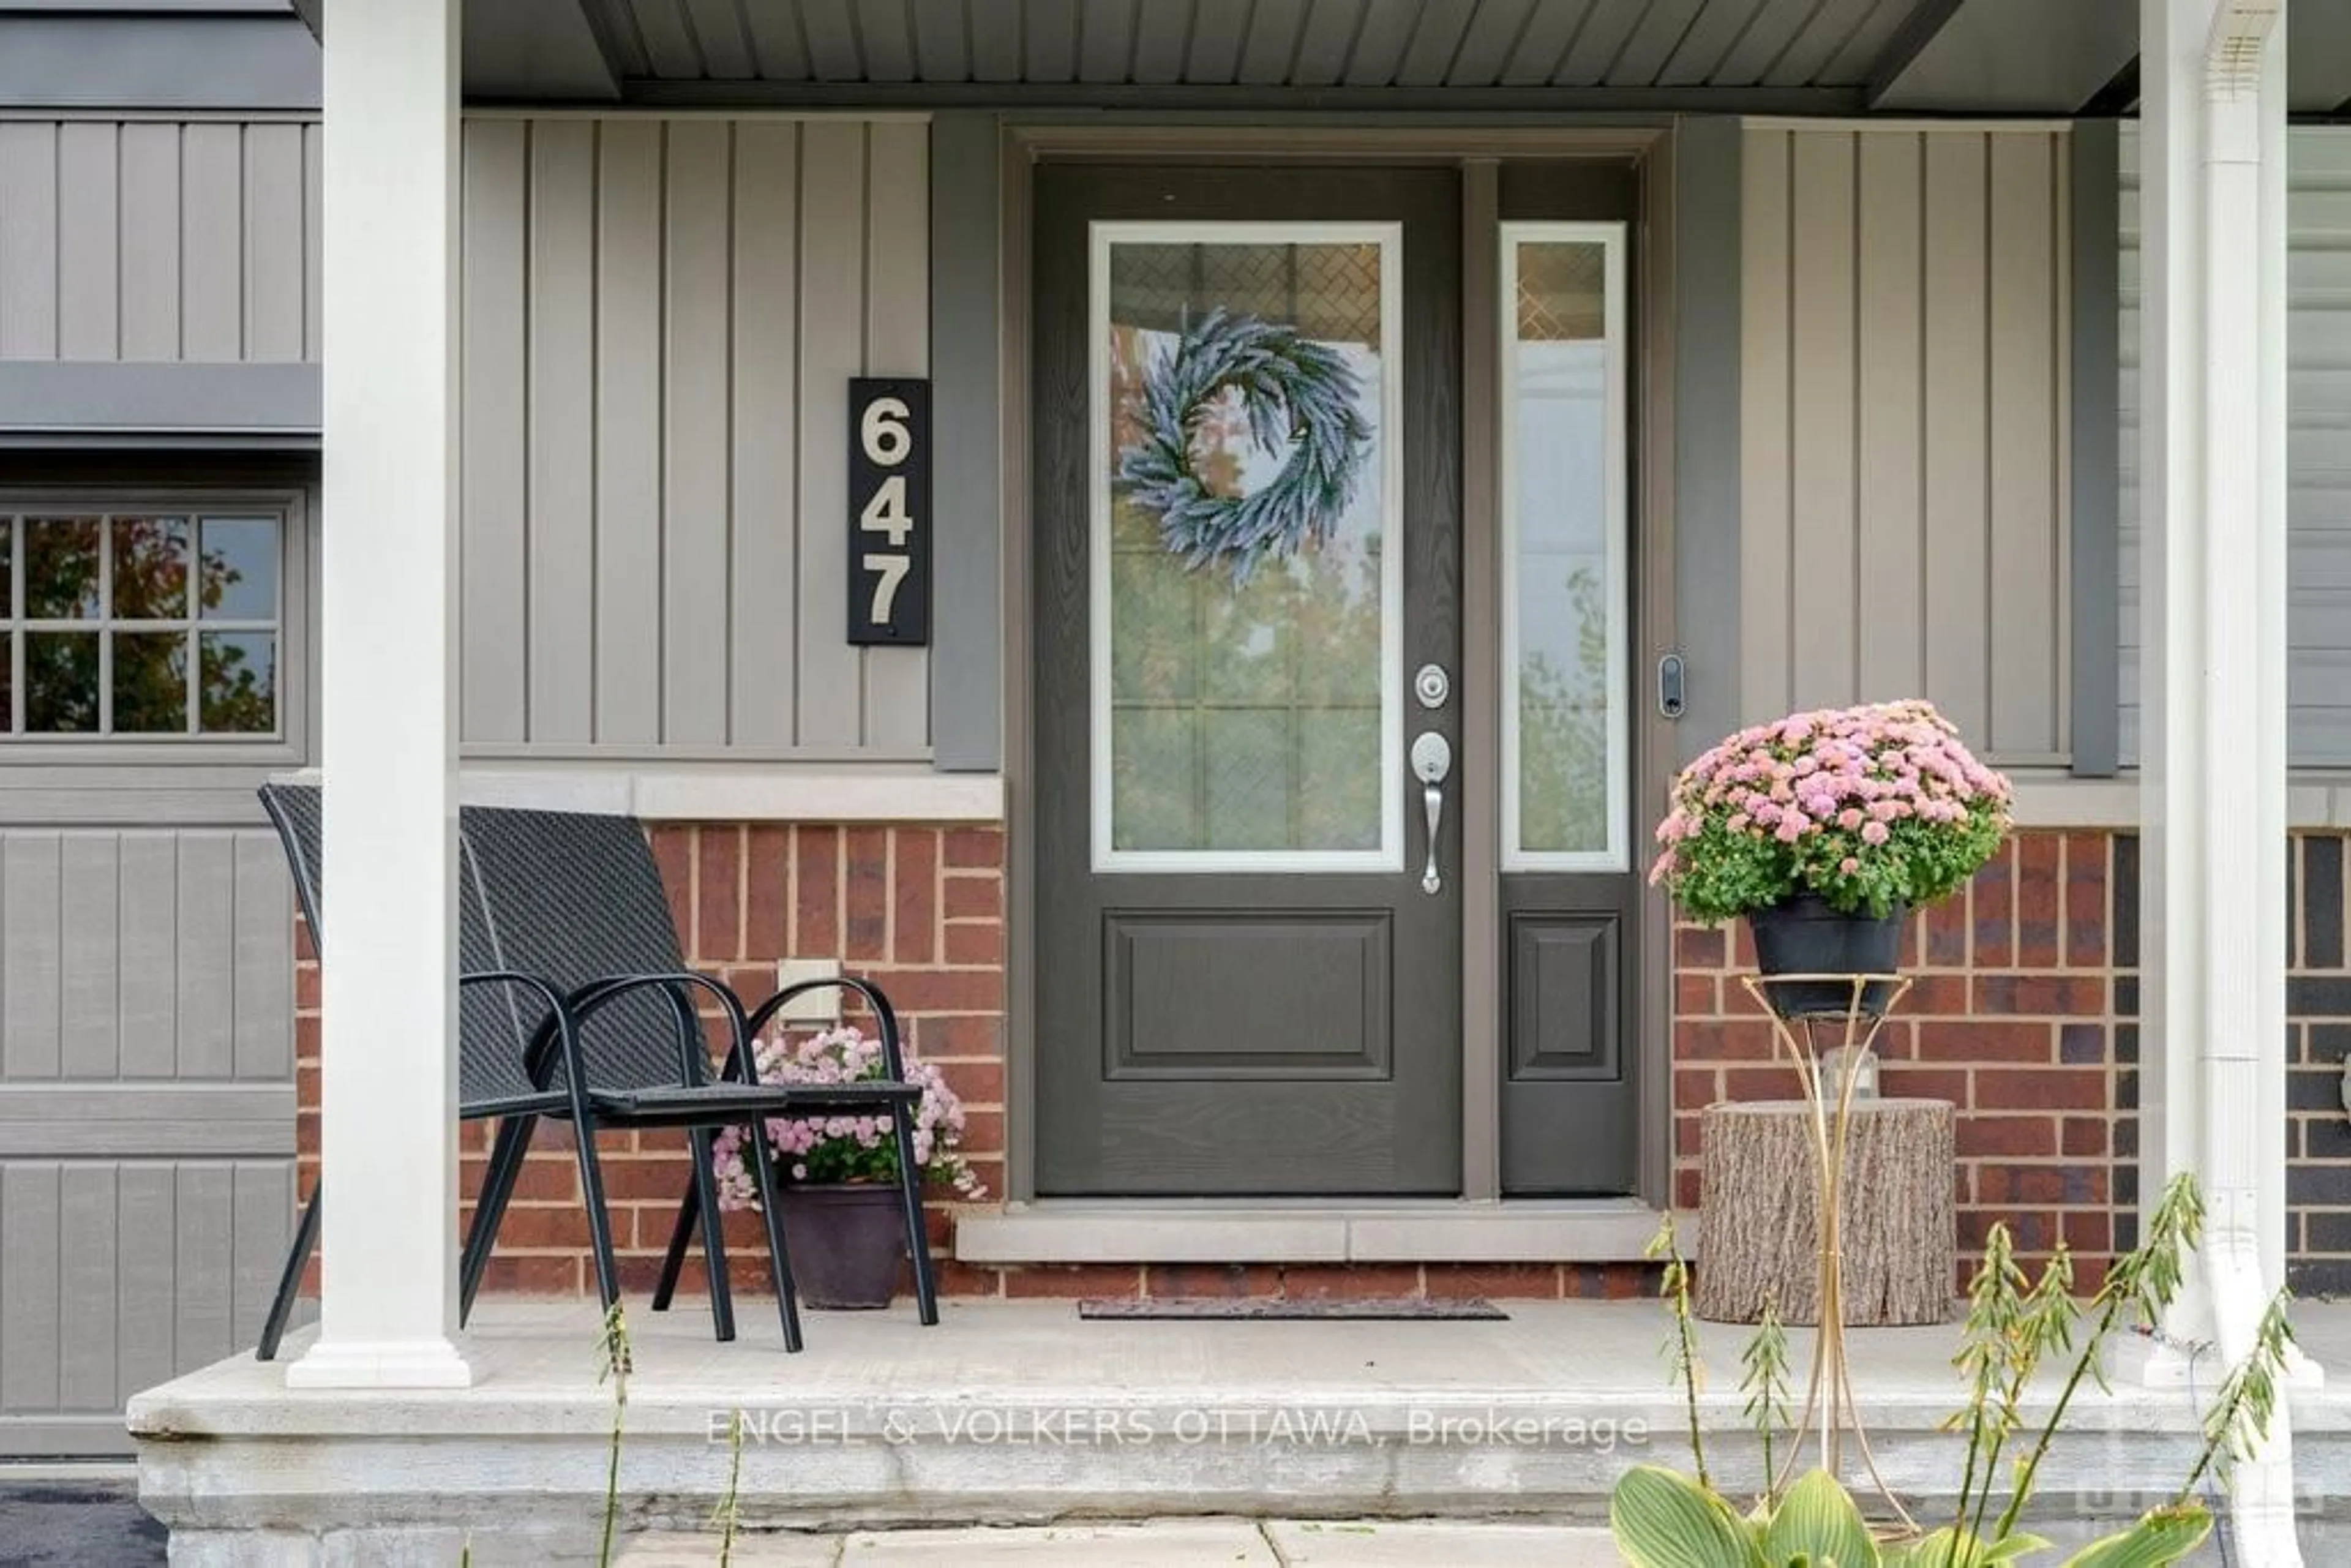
1290	387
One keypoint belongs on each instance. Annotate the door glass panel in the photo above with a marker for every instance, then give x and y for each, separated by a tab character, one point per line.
1246	573
1565	733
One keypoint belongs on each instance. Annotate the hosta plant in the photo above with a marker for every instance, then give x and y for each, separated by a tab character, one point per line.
1664	1520
1874	809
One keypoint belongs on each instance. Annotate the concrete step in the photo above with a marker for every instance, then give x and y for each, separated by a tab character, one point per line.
1157	1543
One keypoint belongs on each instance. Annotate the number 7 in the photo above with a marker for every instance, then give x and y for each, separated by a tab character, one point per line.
892	568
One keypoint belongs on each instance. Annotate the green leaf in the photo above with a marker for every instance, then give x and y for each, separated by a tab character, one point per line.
1818	1519
1936	1551
2009	1548
2164	1536
1662	1520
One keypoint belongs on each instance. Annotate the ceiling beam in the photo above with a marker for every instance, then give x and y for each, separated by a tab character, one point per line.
539	49
1909	40
2006	57
2118	97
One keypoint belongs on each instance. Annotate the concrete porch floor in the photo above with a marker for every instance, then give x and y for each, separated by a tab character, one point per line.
1019	1413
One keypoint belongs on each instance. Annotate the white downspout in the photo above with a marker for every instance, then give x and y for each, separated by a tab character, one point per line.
2240	1015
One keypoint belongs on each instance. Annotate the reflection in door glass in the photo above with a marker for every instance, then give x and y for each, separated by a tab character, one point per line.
1244	664
1564	738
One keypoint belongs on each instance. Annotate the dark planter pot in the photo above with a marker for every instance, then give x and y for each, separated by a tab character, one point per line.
1805	937
847	1241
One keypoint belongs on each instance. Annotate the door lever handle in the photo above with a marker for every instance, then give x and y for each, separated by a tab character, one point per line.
1432	759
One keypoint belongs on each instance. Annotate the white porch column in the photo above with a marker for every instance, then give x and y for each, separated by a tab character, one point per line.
2213	488
388	1123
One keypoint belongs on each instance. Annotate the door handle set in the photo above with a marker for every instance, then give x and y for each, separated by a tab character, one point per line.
1431	760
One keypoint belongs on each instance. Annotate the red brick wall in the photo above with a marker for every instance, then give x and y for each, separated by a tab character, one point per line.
2022	1013
2011	1016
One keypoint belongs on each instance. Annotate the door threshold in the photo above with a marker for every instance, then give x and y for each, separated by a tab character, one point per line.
1310	1230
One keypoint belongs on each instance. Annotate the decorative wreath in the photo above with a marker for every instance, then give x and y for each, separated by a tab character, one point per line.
1287	384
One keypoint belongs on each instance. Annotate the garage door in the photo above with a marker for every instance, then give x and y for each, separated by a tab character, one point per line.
152	645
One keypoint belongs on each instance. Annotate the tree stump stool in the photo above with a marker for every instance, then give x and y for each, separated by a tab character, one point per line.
1759	1222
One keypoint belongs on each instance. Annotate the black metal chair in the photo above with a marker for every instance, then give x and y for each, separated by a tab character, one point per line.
494	1079
577	900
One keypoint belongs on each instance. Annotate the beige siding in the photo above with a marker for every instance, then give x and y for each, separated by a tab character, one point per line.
158	240
661	320
1903	437
2318	447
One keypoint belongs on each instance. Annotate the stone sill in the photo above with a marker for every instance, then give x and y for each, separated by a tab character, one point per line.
1077	1230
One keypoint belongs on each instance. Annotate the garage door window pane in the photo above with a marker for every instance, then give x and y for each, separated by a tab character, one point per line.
240	569
151	683
240	694
62	580
62	683
150	569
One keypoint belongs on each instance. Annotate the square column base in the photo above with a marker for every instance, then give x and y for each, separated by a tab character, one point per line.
380	1363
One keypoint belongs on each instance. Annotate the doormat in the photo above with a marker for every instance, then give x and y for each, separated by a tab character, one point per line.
1272	1309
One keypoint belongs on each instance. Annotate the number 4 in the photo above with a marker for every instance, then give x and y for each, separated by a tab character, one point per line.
887	512
892	568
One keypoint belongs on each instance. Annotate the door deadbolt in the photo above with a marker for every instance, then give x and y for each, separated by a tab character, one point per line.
1432	685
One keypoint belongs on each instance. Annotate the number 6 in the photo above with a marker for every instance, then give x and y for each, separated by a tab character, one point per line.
884	431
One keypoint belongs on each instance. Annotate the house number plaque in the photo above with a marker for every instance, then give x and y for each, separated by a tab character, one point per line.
889	511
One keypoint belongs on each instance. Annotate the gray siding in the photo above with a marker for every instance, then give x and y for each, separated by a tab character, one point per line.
2318	447
146	1116
172	240
1904	427
661	319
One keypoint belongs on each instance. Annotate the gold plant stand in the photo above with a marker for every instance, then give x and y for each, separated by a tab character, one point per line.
1830	1399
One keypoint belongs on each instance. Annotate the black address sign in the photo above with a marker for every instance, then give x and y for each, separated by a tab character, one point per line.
889	511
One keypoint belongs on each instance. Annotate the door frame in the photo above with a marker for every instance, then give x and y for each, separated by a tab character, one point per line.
1478	153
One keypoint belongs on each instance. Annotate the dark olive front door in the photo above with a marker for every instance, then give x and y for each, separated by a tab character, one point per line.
1246	546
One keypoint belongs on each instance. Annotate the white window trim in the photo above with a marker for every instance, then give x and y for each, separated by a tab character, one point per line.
1616	856
1389	237
287	747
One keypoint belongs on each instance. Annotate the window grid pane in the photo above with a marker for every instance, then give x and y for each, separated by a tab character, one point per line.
99	625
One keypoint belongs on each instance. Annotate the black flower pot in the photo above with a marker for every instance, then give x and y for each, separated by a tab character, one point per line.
848	1241
1805	937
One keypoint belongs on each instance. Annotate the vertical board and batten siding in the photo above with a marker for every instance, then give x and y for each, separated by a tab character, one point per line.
146	1116
2318	445
159	240
1903	441
661	320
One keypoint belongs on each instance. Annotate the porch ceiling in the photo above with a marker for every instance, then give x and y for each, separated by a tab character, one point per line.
1469	44
1815	56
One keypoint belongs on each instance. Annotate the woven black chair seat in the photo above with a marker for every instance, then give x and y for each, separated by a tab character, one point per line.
737	1102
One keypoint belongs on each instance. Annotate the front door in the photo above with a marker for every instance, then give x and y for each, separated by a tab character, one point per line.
1248	540
1252	769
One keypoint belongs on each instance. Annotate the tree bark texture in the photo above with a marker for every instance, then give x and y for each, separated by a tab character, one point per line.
1758	1225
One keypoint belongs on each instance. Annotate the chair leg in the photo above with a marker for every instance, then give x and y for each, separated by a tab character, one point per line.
681	1237
910	1190
490	1207
289	1281
713	1233
780	1258
600	1219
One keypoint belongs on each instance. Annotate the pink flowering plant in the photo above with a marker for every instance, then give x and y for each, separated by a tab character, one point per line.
1874	809
829	1149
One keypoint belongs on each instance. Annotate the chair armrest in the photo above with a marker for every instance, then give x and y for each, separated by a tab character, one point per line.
893	1063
